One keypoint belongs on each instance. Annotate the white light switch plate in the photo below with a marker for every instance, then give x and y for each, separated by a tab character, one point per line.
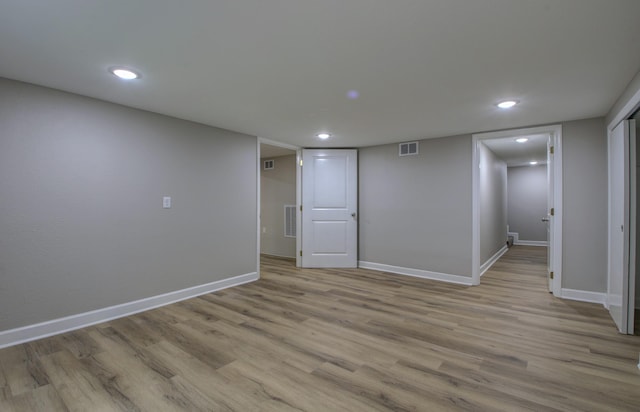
166	202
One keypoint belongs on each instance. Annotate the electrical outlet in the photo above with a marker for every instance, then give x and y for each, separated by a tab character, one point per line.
166	202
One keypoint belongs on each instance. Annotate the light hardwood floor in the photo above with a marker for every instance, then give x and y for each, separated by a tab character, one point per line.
341	340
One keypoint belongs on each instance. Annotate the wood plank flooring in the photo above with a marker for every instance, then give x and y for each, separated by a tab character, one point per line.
341	340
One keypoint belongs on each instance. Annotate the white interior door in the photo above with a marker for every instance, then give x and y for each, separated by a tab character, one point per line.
329	208
549	218
633	232
618	242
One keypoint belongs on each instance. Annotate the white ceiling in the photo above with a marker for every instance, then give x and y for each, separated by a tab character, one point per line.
281	69
520	154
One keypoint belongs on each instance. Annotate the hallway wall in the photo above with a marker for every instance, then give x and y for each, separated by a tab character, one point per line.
527	202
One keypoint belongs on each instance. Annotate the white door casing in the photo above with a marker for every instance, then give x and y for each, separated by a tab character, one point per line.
550	216
633	233
618	226
554	192
329	208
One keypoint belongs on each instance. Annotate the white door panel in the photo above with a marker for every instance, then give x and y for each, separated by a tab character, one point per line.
330	182
330	237
618	244
330	205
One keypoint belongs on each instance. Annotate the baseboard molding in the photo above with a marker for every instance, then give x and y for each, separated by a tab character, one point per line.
56	326
519	242
584	296
418	273
542	243
493	259
278	256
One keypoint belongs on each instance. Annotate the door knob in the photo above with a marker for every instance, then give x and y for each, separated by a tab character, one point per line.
545	219
353	215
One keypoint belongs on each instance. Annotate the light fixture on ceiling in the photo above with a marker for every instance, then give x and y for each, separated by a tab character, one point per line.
522	140
533	163
507	104
323	136
124	73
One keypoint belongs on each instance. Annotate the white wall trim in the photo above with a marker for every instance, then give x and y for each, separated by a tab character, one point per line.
556	229
542	243
493	259
278	256
556	132
61	325
475	210
584	296
518	242
298	150
299	212
419	273
258	205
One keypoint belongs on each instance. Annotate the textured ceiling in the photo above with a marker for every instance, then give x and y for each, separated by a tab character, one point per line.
283	69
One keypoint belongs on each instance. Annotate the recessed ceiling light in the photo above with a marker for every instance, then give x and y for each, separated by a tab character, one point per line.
323	136
533	163
507	104
522	140
124	73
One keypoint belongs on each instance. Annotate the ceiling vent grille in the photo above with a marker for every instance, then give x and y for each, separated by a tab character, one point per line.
269	164
408	149
289	221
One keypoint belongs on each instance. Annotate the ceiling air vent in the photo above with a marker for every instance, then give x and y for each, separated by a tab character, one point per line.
268	164
407	149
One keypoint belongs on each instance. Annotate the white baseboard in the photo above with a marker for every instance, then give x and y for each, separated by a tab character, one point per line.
584	296
278	256
56	326
531	243
419	273
517	241
493	259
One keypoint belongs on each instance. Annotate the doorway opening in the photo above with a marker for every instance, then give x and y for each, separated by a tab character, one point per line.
517	187
278	201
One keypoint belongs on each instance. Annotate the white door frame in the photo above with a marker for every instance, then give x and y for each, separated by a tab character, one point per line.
298	150
317	244
556	133
630	106
633	219
626	300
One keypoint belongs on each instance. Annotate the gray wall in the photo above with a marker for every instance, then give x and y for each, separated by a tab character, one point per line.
415	211
527	201
81	219
277	188
493	203
584	146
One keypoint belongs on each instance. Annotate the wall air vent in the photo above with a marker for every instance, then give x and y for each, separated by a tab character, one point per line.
408	148
289	221
269	164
